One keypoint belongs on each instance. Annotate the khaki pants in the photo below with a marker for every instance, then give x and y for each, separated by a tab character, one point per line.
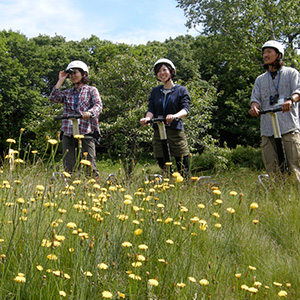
177	142
291	144
70	152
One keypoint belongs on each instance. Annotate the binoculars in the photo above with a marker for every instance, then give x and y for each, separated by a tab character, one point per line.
70	71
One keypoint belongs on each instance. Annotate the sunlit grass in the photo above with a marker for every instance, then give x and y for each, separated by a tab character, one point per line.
68	236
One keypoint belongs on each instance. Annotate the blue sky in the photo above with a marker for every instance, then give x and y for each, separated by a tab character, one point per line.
123	21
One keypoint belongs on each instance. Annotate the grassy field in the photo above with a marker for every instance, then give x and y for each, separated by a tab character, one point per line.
68	237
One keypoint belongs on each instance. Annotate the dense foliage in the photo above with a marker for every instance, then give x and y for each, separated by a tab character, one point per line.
218	67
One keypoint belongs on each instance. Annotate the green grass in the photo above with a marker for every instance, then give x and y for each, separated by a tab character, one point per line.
183	243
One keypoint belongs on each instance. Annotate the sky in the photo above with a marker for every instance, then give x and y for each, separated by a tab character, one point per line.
120	21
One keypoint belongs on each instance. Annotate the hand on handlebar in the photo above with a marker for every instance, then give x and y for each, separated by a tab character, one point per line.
170	118
145	121
286	106
254	111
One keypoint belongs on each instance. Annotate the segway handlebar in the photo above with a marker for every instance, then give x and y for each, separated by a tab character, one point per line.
154	120
67	117
271	110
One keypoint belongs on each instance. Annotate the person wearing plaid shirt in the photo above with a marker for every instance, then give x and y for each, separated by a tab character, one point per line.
80	99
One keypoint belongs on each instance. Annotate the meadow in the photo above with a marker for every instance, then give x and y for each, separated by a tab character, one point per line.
66	236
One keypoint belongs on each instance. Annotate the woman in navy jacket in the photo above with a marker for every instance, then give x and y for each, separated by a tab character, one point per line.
170	101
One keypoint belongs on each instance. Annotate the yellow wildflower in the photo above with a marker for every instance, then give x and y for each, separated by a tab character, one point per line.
282	294
107	295
153	282
52	142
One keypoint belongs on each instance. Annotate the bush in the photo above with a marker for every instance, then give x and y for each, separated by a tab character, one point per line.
223	158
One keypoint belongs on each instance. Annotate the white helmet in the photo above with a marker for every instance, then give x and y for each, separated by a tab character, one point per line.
274	44
78	64
165	61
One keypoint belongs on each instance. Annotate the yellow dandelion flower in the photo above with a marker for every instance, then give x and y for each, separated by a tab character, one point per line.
218	225
160	205
140	257
122	217
215	214
79	137
195	219
126	244
40	187
179	179
181	285
161	260
56	273
87	274
71	225
238	275
121	295
288	285
168	163
34	151
219	201
107	295
102	266
253	290
143	247
217	192
168	220
201	206
19	161
11	141
192	279
277	284
204	282
282	293
52	257
60	238
62	293
257	283
39	268
20	279
128	197
253	205
176	174
252	268
170	242
135	277
153	282
52	142
137	264
230	210
127	202
138	231
67	276
244	287
66	174
85	162
233	193
183	209
20	200
255	221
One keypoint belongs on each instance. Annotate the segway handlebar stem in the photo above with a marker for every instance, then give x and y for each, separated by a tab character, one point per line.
67	117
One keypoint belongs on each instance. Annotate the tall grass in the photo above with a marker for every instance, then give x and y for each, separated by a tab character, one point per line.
76	239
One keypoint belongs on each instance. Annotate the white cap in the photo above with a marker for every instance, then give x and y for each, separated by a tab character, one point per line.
274	44
78	64
165	61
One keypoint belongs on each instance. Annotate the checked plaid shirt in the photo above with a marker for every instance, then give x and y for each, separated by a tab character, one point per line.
87	99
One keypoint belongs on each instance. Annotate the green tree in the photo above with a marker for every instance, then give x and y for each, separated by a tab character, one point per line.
230	48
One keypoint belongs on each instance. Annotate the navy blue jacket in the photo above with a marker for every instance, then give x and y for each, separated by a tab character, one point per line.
177	100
